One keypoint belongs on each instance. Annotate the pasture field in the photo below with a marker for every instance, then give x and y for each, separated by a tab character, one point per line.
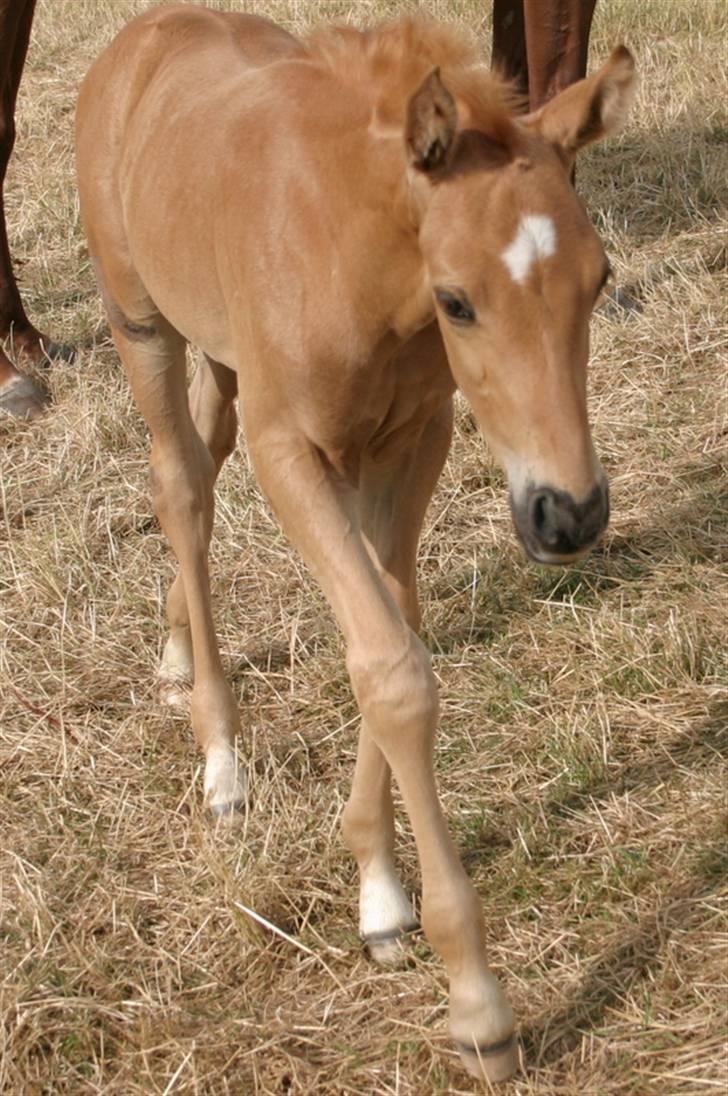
582	755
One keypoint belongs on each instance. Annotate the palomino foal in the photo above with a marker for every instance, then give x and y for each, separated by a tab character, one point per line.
349	226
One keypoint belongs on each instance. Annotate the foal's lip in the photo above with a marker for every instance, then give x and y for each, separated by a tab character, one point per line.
548	560
536	554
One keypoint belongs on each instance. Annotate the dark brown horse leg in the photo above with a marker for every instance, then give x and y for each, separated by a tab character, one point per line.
18	394
509	43
541	45
557	43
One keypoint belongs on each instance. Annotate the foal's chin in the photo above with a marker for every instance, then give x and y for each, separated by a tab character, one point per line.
553	559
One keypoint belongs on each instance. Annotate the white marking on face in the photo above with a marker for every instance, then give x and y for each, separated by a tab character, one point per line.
535	239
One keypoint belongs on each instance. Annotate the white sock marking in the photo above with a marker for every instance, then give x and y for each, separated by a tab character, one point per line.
535	239
383	903
225	777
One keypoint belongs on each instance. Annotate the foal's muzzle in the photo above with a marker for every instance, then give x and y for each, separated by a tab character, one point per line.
556	529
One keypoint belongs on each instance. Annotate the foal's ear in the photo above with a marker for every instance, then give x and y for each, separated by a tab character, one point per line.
432	119
590	109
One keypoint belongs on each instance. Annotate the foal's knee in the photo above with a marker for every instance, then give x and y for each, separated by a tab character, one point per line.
181	483
396	692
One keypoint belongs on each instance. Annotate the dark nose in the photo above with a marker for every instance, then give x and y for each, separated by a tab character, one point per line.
556	525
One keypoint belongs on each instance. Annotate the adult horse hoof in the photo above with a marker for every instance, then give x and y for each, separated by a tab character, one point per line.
619	304
41	350
389	949
58	351
22	398
493	1062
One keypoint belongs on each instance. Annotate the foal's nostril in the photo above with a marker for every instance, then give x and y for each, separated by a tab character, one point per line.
561	526
545	517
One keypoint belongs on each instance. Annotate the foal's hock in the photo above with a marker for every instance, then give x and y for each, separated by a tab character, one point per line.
349	226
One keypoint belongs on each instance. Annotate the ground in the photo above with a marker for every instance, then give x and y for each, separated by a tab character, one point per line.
585	711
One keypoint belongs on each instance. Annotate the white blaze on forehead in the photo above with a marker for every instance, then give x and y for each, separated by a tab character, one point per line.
535	239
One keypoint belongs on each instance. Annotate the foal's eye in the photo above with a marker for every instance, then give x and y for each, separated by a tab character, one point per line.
456	306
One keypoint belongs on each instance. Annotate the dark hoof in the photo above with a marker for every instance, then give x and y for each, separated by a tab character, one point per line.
40	350
389	947
58	352
619	304
21	397
494	1061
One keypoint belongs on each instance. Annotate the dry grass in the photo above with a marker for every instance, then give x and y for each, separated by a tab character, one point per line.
585	712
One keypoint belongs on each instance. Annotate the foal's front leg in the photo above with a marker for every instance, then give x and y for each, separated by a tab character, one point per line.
385	911
396	691
392	500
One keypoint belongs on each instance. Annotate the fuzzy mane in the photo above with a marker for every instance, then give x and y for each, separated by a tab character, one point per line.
392	60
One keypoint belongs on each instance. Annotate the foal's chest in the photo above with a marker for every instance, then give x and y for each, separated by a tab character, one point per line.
378	407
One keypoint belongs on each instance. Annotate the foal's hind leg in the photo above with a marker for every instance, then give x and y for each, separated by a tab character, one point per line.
392	505
182	474
211	398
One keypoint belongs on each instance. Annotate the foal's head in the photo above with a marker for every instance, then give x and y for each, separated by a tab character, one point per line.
516	268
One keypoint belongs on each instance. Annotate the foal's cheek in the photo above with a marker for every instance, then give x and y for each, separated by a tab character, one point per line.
466	361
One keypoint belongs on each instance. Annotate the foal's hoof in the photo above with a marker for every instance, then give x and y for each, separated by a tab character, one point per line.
227	814
389	949
226	784
175	692
22	398
494	1061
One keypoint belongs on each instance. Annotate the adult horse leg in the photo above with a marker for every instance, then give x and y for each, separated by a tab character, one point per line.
19	395
211	398
508	55
392	504
557	42
541	45
397	695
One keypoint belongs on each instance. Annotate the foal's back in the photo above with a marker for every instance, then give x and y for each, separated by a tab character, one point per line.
155	148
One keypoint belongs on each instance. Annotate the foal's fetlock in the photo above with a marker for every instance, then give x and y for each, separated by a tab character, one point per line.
481	1019
176	671
216	724
482	1026
386	916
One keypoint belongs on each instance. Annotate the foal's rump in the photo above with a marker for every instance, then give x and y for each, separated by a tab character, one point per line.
155	152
